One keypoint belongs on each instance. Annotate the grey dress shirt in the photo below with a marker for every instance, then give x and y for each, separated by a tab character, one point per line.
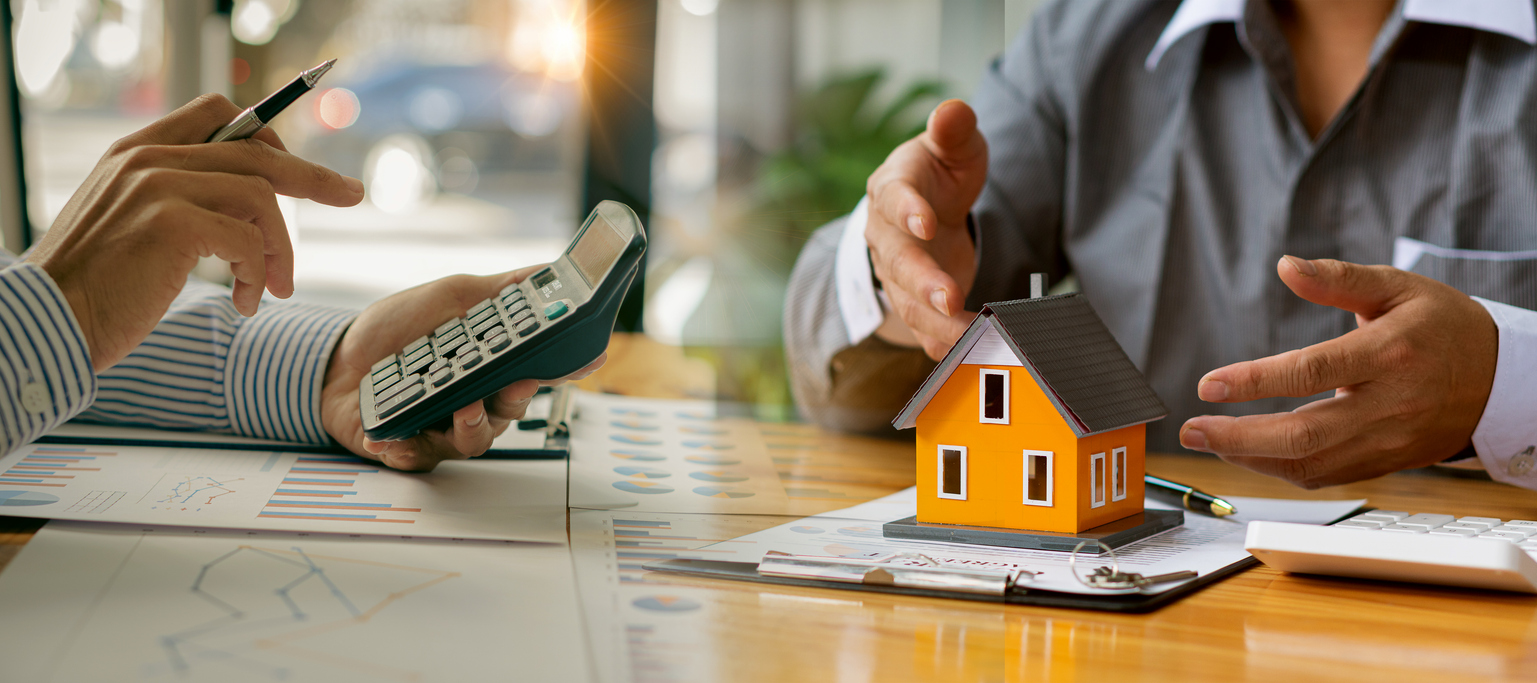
1171	191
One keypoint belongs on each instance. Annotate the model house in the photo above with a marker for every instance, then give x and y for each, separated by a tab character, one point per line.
1034	421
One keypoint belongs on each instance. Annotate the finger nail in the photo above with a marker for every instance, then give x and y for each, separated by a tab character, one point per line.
1212	390
1193	439
915	225
353	184
1303	266
939	300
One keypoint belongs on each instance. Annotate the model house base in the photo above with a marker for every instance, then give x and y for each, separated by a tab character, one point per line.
1114	534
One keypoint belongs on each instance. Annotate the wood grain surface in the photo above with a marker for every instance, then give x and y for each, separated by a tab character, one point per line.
1259	625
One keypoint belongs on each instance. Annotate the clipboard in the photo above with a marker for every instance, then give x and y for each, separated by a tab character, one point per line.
1129	603
537	438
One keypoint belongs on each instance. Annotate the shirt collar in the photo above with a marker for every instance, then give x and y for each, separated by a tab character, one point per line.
1514	18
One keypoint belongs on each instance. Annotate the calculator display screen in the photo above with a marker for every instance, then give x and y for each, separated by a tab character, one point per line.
597	250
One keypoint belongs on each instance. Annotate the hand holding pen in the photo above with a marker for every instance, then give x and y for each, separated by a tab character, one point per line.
256	118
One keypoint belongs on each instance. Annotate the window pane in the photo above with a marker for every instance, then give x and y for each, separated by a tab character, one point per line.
992	406
1120	473
1099	479
1037	478
950	477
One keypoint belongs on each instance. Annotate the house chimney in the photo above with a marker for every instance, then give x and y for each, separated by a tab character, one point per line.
1037	285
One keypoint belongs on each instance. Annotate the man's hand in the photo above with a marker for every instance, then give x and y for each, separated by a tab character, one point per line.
385	328
1409	384
123	246
919	244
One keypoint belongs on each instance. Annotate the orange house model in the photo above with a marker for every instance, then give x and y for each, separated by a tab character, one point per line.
1035	421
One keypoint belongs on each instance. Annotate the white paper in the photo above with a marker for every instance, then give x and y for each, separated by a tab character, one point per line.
658	455
102	602
500	500
1204	544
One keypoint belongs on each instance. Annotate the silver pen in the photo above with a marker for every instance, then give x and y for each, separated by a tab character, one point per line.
252	120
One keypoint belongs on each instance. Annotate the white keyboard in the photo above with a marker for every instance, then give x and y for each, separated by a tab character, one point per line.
1476	552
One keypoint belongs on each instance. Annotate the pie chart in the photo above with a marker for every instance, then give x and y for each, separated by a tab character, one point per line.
711	445
637	440
634	424
643	472
642	487
721	476
711	460
721	492
25	498
665	603
639	456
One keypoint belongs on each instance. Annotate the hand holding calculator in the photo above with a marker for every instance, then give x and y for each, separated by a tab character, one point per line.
548	326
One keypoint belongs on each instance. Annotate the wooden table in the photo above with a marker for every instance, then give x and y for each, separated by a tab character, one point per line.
1260	625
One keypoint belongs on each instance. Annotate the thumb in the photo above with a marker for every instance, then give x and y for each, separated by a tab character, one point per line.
1367	291
953	137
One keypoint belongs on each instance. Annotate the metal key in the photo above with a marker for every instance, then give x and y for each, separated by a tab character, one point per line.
1105	577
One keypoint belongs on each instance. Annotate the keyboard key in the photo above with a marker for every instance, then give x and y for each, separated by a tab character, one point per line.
509	290
528	327
1529	546
1501	536
415	367
1523	531
1402	529
1486	521
387	382
437	364
446	348
1393	514
382	364
447	327
1359	524
520	316
480	329
384	369
1447	531
418	345
1427	520
479	309
1477	527
441	376
1520	522
498	341
389	407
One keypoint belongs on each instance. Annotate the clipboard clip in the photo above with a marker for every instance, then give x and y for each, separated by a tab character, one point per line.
905	570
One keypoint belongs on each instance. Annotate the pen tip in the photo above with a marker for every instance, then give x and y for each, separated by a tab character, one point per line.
313	75
1222	508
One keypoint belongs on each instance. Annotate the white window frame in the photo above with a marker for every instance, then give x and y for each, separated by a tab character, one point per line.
1051	478
1118	467
1099	500
939	470
982	397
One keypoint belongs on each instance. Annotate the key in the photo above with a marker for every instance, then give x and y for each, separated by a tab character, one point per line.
1171	577
1359	524
1471	526
470	358
1448	531
1486	521
1404	529
498	341
1427	520
1523	531
446	327
1394	514
528	327
1520	522
1502	536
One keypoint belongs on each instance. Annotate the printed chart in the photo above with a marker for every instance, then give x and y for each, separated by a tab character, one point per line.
499	500
111	602
669	456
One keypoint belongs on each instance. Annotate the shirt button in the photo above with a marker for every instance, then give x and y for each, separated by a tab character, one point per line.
35	398
1521	463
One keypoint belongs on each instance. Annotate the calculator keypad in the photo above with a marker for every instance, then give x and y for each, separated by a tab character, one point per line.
432	363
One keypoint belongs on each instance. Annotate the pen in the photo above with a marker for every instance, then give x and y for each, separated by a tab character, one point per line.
1188	496
256	118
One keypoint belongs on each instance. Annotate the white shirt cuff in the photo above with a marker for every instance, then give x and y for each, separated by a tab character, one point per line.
855	284
1506	436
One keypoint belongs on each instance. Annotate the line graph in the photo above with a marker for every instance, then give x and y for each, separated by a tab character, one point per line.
269	600
199	490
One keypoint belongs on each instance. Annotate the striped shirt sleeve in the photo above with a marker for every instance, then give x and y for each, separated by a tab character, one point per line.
45	366
207	368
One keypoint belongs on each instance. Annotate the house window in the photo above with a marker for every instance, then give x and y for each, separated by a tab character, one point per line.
993	399
1097	480
952	472
1118	474
1038	478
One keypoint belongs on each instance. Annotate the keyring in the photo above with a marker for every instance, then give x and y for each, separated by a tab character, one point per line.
1072	561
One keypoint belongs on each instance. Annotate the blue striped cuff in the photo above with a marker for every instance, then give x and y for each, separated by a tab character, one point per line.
45	364
277	364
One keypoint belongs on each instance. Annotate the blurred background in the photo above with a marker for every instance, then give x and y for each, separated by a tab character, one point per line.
484	131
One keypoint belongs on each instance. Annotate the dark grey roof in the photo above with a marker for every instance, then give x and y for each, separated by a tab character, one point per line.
1071	353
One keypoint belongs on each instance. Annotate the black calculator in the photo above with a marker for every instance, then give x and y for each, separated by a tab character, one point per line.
550	325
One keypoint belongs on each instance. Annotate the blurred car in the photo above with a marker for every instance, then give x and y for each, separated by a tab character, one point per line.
410	131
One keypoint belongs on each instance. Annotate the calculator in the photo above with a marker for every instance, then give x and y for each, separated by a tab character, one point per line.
553	323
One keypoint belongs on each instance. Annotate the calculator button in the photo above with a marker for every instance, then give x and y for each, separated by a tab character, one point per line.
1358	524
1520	522
1486	521
1523	531
417	345
509	290
437	365
446	327
415	367
1394	514
479	330
528	327
1405	529
382	384
1427	520
498	341
382	364
400	400
1443	531
518	318
441	376
470	358
452	348
1501	536
556	310
1476	527
478	309
382	395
